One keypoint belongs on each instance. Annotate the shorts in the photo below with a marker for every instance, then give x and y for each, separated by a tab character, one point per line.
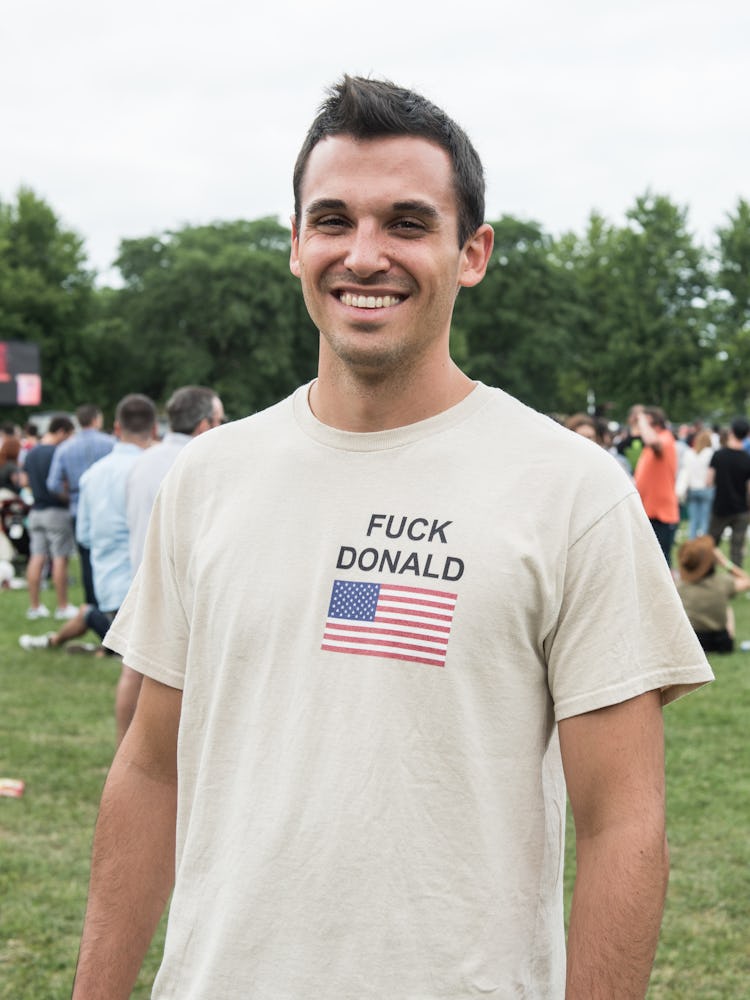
51	533
716	642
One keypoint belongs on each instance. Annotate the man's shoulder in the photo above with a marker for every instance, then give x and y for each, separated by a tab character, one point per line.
39	457
731	456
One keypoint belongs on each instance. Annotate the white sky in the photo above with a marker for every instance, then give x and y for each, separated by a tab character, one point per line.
133	118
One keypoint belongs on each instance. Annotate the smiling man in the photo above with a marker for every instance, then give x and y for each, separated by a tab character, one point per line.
373	664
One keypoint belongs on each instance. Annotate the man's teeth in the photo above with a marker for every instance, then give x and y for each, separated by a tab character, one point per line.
369	301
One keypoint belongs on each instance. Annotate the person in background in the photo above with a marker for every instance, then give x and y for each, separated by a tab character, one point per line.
584	425
692	484
29	440
729	475
50	524
191	411
705	594
10	468
68	465
630	444
102	527
374	630
656	476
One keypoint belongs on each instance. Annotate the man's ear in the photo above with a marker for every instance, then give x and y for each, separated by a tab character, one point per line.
476	256
294	253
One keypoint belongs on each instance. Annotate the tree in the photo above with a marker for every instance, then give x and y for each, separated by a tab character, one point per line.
730	375
45	294
643	292
214	305
514	329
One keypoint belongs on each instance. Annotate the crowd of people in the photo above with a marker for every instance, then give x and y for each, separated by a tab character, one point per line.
696	475
95	490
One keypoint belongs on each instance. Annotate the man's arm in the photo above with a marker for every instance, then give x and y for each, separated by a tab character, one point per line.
56	481
132	869
740	577
649	435
614	769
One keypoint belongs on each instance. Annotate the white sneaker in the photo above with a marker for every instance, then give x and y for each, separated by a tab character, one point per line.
64	614
41	612
29	642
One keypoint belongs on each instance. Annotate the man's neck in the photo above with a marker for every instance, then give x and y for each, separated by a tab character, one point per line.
350	403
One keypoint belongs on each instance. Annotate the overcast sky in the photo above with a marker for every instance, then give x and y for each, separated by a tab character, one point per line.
135	118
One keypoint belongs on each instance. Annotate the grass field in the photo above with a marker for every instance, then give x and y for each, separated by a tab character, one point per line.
57	735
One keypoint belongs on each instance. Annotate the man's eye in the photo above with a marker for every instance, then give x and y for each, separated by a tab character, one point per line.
409	225
331	222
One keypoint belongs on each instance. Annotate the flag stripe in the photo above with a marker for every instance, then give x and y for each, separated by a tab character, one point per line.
385	631
390	656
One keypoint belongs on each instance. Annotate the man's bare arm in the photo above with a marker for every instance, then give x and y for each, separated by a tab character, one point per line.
132	869
614	768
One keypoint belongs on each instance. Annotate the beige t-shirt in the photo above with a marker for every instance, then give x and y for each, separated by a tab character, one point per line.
374	634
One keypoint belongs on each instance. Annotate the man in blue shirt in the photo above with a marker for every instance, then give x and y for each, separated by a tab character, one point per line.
102	527
69	463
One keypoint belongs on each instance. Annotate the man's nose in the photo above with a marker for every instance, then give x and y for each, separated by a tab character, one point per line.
366	252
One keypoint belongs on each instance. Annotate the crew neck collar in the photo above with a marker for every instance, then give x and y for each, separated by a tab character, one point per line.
396	437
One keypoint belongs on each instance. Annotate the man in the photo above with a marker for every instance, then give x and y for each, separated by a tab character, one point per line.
104	499
50	524
69	464
363	634
191	410
102	528
630	444
656	476
729	474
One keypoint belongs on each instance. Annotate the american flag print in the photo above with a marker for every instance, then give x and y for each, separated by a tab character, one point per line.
391	620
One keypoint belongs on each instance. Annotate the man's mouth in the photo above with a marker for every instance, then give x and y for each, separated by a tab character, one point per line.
369	301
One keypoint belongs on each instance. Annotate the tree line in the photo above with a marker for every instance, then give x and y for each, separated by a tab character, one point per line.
636	312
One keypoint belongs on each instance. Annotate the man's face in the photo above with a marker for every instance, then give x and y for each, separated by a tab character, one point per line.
377	251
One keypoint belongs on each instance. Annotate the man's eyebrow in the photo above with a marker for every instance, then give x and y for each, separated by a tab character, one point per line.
423	208
325	205
413	205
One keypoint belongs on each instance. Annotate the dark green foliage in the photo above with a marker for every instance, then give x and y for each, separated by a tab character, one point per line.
620	314
215	305
45	294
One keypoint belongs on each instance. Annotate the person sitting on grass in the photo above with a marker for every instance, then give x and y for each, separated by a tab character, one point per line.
706	594
88	617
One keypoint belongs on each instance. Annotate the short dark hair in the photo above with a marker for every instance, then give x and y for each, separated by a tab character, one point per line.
189	405
136	414
373	109
658	416
61	423
740	428
87	413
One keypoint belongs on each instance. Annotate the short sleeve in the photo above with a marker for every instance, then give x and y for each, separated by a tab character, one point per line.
621	630
151	629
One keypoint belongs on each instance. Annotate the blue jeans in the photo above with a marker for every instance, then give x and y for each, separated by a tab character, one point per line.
699	503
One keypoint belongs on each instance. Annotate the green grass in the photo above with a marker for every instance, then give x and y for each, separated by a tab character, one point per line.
57	734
